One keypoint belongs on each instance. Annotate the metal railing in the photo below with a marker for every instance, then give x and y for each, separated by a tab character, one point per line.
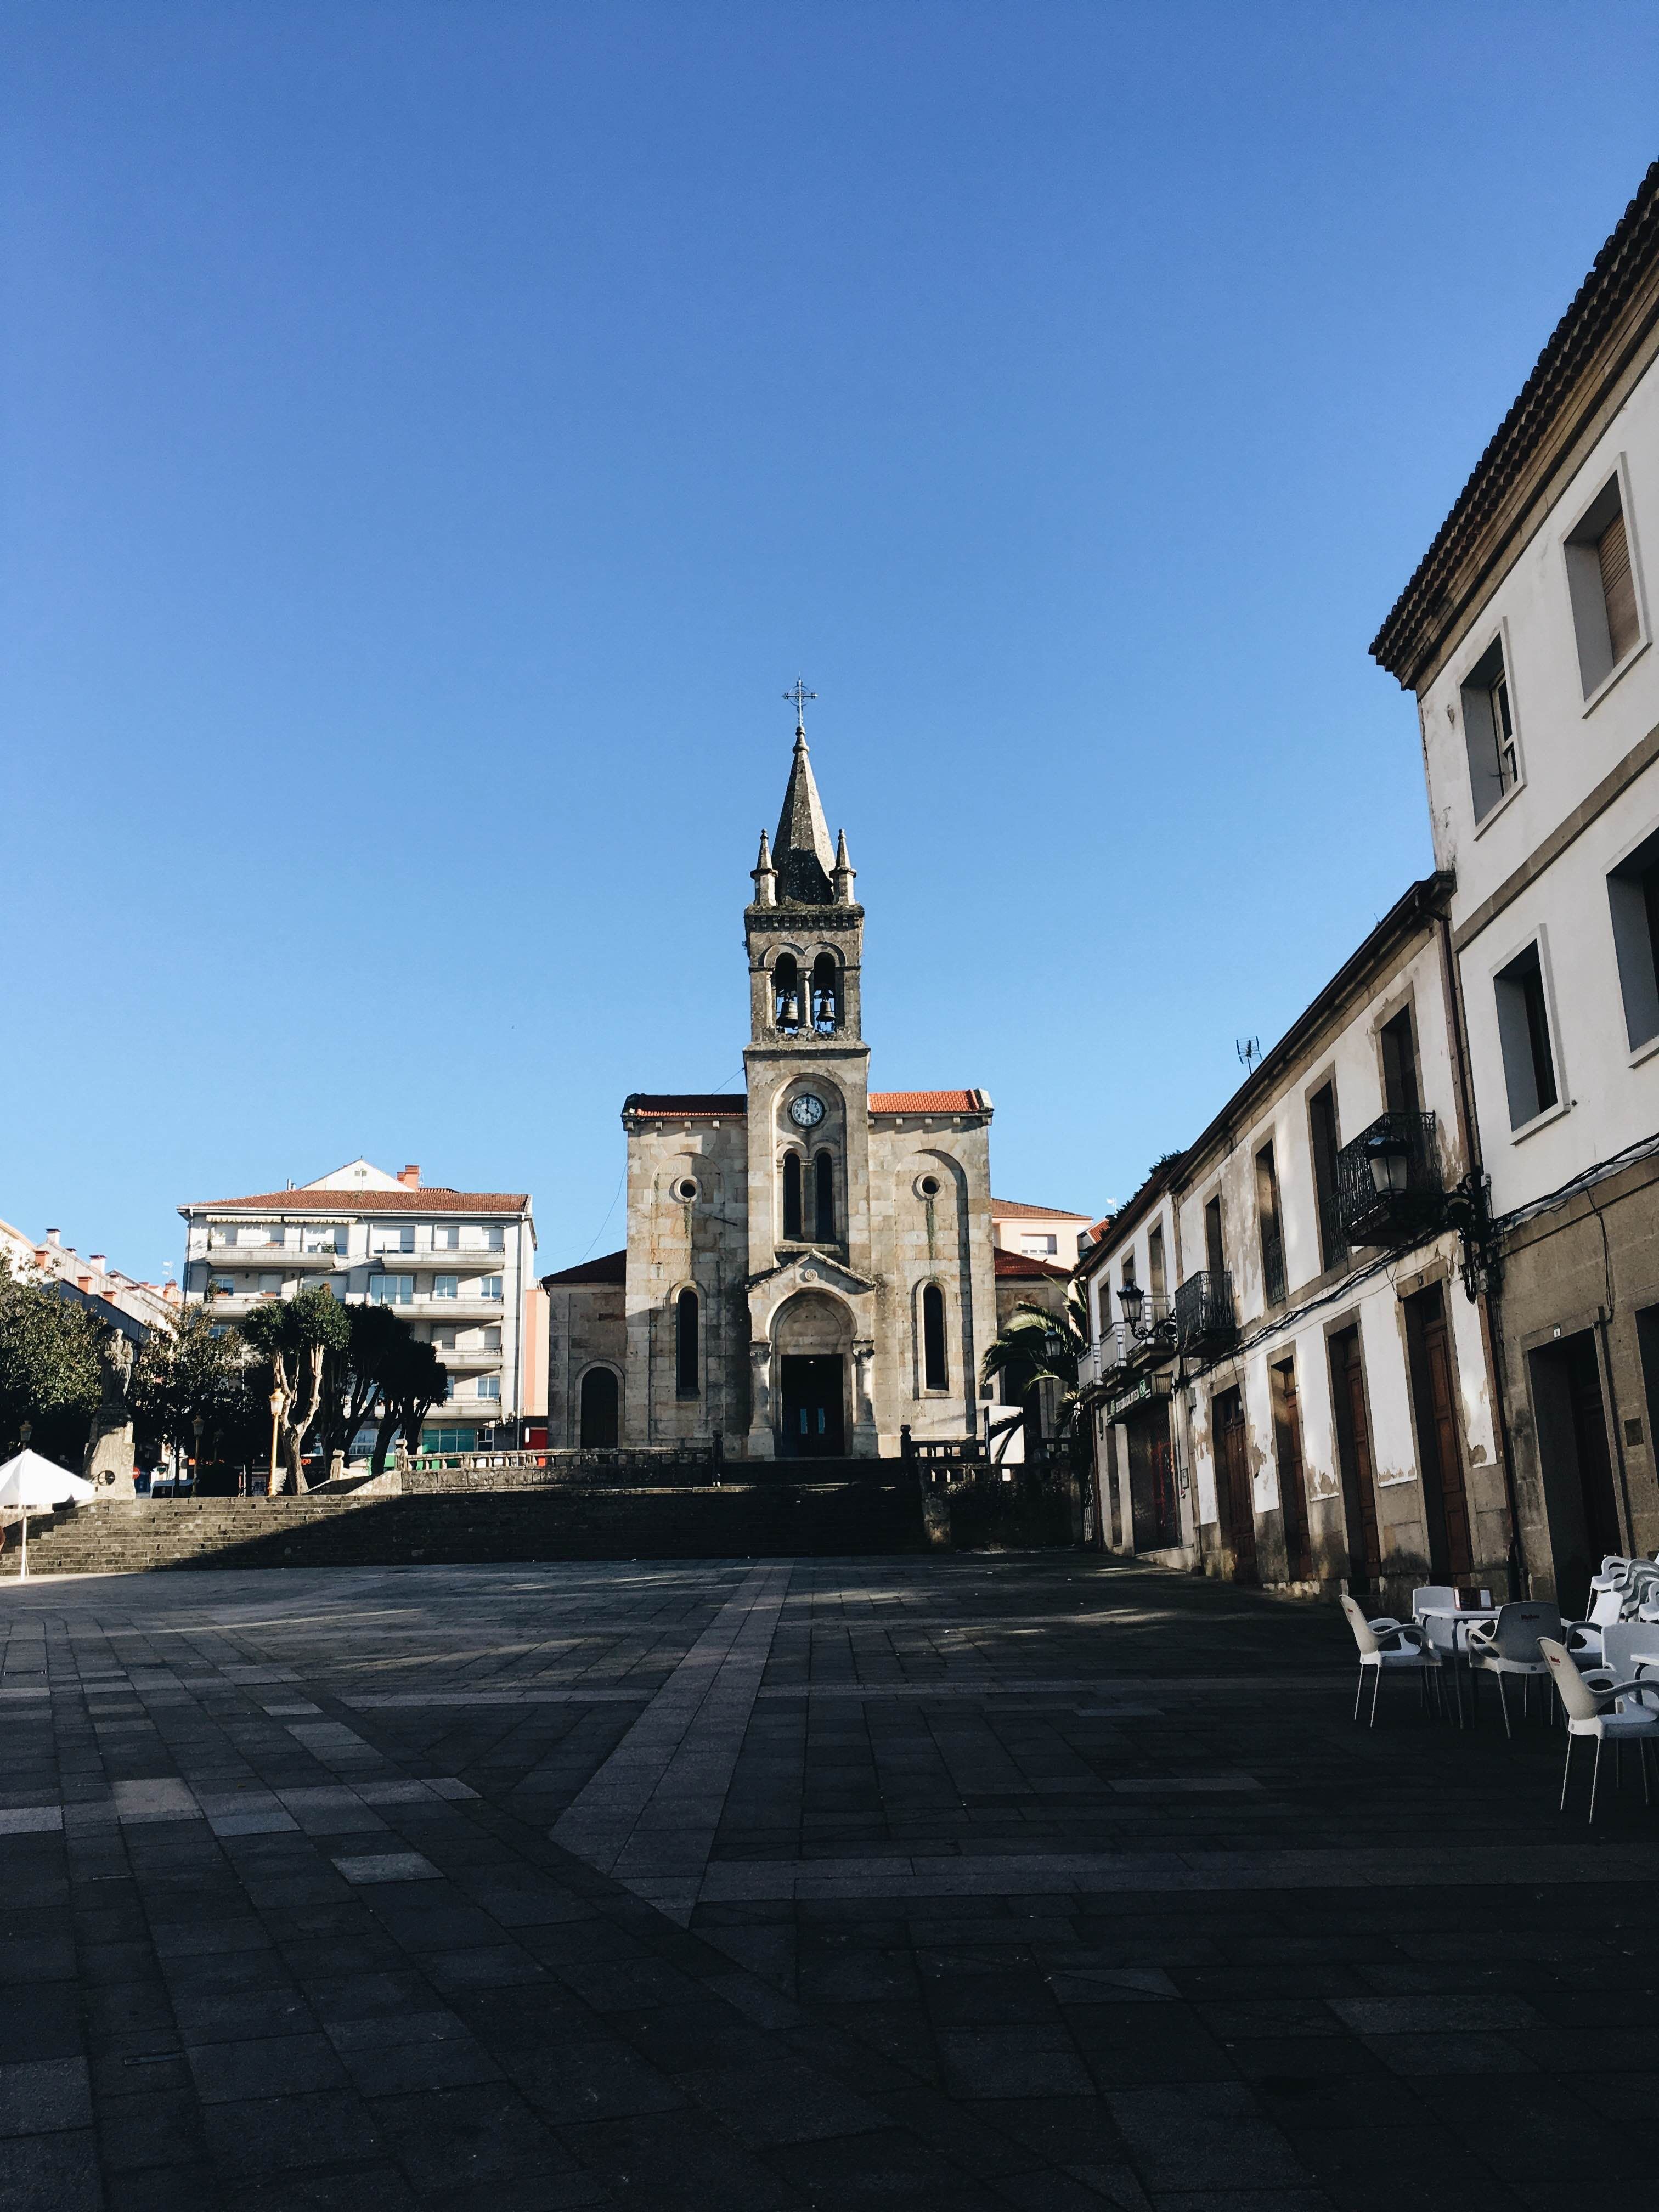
1204	1321
1389	1184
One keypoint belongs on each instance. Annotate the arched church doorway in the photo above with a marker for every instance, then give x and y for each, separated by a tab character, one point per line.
601	1407
814	1340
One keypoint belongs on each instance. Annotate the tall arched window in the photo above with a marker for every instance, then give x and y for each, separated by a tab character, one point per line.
687	1372
791	1230
823	1198
935	1376
785	992
826	996
600	1407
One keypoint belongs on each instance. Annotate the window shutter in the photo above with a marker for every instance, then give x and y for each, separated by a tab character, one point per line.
1617	588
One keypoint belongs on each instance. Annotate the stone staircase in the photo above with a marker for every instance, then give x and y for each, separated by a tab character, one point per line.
568	1522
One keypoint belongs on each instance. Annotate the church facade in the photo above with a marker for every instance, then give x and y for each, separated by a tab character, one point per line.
810	1264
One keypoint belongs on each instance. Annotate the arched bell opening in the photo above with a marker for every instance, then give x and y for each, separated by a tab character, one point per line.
826	994
792	1198
786	993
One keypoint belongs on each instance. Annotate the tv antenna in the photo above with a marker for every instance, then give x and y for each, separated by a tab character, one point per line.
1249	1053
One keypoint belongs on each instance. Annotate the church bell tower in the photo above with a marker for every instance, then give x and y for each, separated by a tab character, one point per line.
806	1063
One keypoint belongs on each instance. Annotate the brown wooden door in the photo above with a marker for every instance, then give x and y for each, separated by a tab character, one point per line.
1234	1503
1166	1507
1434	1395
1353	1446
1293	1481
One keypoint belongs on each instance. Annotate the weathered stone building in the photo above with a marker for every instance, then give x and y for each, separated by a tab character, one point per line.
1526	636
809	1264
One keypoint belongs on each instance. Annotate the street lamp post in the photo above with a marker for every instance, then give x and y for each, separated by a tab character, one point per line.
197	1425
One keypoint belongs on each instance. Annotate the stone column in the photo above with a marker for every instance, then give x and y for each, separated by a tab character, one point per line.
761	1442
865	1445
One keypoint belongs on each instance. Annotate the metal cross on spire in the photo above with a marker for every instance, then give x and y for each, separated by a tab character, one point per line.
799	696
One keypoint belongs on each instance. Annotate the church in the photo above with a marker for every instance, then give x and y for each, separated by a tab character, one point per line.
809	1265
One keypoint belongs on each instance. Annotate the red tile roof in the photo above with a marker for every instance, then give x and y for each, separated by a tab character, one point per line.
611	1267
432	1198
929	1102
687	1105
1014	1209
1024	1266
673	1105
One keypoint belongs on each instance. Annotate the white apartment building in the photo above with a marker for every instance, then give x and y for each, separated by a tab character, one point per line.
50	1260
1526	635
457	1265
1038	1232
1288	1383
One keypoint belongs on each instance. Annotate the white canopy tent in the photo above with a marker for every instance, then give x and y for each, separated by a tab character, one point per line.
32	1480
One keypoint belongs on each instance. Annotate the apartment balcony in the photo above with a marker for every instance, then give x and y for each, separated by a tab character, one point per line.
1153	1340
1106	1359
1390	1185
441	1309
225	1259
1206	1322
470	1359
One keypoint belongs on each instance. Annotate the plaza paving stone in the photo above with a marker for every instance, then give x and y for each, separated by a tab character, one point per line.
1021	1879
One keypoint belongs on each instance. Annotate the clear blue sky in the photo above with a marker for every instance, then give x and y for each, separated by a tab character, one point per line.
434	437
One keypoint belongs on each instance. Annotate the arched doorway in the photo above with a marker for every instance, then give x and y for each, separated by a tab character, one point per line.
601	1410
813	1339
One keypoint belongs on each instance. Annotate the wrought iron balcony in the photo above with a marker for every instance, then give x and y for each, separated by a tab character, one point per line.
1389	1186
1204	1322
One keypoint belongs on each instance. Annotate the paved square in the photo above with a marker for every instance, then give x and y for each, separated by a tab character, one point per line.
1017	1880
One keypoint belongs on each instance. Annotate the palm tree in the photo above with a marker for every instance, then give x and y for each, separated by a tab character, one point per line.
1037	1344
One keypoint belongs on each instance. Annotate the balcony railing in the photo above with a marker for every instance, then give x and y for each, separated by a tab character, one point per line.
1107	1355
1390	1185
1204	1322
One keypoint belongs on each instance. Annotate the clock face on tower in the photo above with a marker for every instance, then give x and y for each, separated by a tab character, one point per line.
806	1111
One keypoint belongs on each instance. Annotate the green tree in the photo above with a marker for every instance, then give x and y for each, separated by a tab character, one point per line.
355	1375
192	1367
416	1380
295	1336
49	1373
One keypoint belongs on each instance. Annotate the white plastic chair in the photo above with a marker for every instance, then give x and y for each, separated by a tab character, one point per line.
1631	1649
1583	1637
1585	1699
1510	1646
1406	1649
1433	1597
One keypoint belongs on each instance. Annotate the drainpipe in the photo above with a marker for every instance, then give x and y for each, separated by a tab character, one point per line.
1487	1305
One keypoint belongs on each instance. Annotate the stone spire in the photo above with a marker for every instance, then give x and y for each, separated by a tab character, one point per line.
844	872
803	860
765	875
